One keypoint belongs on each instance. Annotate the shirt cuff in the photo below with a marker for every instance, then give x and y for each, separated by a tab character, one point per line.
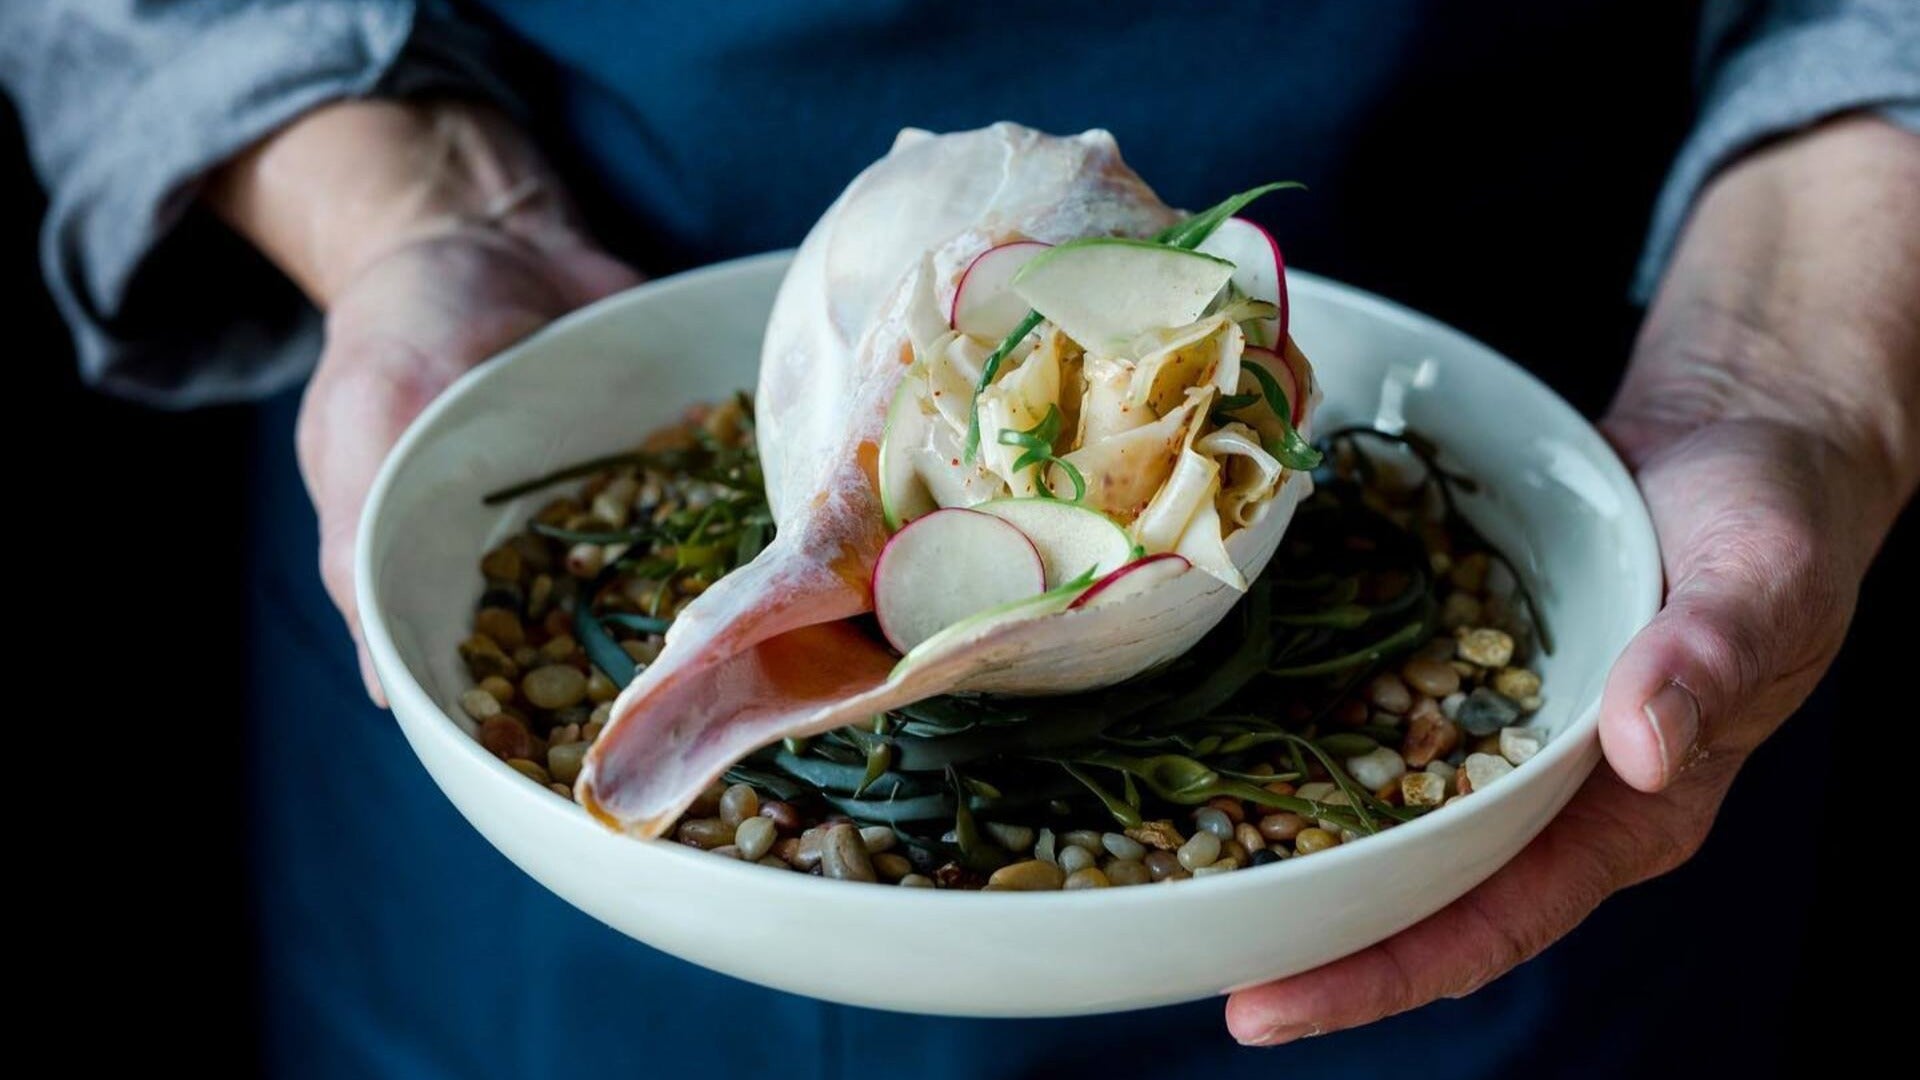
166	305
1780	80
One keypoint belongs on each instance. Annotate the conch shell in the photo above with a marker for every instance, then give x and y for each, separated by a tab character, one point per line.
771	651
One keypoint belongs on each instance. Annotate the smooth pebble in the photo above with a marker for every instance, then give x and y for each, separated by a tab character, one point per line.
1075	858
1202	849
739	803
844	857
755	837
1015	838
1031	875
1517	744
1089	877
1377	768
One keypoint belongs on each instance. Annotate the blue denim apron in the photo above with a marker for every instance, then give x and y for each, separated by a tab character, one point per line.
1473	161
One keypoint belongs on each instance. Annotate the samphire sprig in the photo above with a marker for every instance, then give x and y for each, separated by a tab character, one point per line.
1038	442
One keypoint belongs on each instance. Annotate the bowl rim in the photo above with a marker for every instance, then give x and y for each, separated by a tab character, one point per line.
1643	586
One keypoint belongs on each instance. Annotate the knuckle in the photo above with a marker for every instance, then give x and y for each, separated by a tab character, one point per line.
1671	851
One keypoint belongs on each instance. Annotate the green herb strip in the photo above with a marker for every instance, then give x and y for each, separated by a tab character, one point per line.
602	651
1193	231
988	372
1292	451
1037	442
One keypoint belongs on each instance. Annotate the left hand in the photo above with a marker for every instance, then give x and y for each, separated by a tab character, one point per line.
1771	481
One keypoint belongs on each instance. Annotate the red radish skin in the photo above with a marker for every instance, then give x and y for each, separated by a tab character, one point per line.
1285	305
983	298
1165	565
1017	571
1237	236
1285	375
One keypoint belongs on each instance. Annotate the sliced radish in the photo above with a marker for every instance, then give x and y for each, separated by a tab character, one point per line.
948	565
1258	268
1071	539
1284	374
1105	292
984	304
1133	579
903	494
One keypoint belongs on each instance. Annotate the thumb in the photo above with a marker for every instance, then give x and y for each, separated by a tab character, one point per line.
1753	615
1688	669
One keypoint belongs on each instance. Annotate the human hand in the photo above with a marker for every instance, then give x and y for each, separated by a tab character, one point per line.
453	255
1771	481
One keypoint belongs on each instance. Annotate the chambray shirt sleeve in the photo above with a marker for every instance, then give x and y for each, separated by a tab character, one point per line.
1771	67
127	104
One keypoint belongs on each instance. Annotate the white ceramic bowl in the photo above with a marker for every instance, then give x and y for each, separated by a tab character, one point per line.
600	379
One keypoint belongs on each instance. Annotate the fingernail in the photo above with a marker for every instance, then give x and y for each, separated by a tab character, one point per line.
1282	1033
1675	717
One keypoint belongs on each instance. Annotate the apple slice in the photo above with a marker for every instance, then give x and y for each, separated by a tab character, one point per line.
1283	374
1133	579
1071	539
1258	268
948	565
903	494
1107	291
1052	602
984	305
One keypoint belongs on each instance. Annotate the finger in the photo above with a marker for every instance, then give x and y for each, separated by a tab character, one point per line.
1532	901
352	415
337	533
368	674
591	274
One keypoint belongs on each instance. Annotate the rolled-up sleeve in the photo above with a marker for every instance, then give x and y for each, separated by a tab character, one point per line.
127	105
1771	68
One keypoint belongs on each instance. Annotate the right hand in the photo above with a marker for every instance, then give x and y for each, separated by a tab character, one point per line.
449	254
398	333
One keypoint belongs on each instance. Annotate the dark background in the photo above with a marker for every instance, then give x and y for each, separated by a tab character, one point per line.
131	747
137	825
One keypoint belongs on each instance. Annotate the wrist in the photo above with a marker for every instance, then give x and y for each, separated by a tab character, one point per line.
1789	302
348	182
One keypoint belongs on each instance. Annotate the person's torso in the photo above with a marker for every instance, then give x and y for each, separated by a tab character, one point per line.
1492	162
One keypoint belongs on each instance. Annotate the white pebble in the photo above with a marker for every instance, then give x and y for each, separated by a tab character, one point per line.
1444	771
1317	791
1075	858
1015	838
1220	867
1203	849
1517	744
1450	705
1214	821
1043	849
1377	768
479	704
1085	838
877	838
1484	769
1123	847
1422	789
